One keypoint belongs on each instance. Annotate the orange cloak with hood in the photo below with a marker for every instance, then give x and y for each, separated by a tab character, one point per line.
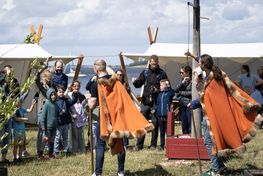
119	116
231	115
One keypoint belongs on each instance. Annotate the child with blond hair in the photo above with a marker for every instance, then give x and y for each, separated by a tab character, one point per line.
164	100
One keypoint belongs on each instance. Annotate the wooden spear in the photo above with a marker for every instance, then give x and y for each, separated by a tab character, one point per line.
91	141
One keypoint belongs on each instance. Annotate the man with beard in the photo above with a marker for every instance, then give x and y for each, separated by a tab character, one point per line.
58	77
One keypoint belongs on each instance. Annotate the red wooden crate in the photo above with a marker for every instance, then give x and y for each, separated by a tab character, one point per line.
185	148
170	124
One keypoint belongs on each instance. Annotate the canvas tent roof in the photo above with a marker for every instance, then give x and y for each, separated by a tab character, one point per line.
19	56
27	51
238	52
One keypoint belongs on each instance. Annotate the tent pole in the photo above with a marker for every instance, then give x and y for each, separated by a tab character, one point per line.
150	35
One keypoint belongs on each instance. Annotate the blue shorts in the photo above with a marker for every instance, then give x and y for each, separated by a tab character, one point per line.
19	136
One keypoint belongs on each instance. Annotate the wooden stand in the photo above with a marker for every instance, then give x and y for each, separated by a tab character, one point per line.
182	146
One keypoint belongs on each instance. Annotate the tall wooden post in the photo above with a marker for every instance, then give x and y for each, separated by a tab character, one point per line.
76	75
196	52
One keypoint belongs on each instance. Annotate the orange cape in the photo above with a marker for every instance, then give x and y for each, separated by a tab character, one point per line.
231	115
119	116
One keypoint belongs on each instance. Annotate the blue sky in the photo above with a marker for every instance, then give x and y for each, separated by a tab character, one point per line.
107	27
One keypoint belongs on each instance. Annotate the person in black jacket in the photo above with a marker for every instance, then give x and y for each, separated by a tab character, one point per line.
150	79
184	96
64	118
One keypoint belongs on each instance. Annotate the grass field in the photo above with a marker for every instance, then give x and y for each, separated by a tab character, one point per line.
142	163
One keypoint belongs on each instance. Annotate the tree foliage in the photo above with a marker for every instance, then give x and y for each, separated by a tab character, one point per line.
9	101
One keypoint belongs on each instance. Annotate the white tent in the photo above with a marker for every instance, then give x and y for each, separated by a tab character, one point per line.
19	56
228	57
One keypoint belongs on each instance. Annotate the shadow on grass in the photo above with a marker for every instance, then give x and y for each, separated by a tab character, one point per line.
241	171
157	170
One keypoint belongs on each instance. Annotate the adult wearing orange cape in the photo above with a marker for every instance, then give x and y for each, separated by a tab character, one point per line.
230	112
118	116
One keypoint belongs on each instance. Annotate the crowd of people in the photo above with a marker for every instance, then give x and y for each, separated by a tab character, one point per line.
63	114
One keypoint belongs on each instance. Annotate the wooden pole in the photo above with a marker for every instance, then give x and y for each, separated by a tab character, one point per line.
39	32
197	145
150	35
32	29
196	52
127	86
123	67
91	141
155	35
76	75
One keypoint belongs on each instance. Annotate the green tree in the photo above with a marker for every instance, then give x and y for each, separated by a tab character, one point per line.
8	102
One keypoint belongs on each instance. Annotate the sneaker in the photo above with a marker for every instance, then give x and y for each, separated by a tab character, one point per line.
94	174
160	148
52	156
15	160
136	148
25	154
120	174
19	160
209	173
151	147
41	157
222	170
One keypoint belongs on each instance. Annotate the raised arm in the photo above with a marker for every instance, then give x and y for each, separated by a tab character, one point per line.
32	106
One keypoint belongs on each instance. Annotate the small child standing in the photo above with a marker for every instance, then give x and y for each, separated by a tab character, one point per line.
64	118
49	123
162	107
19	132
79	120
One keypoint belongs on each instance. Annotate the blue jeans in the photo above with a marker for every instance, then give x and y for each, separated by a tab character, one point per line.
185	117
61	133
216	162
100	149
6	129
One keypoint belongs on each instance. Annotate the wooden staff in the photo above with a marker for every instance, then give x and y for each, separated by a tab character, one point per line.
123	67
127	86
197	145
76	75
91	141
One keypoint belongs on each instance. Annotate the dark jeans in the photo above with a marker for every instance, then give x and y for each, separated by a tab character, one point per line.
185	117
39	139
100	150
163	127
125	141
140	141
